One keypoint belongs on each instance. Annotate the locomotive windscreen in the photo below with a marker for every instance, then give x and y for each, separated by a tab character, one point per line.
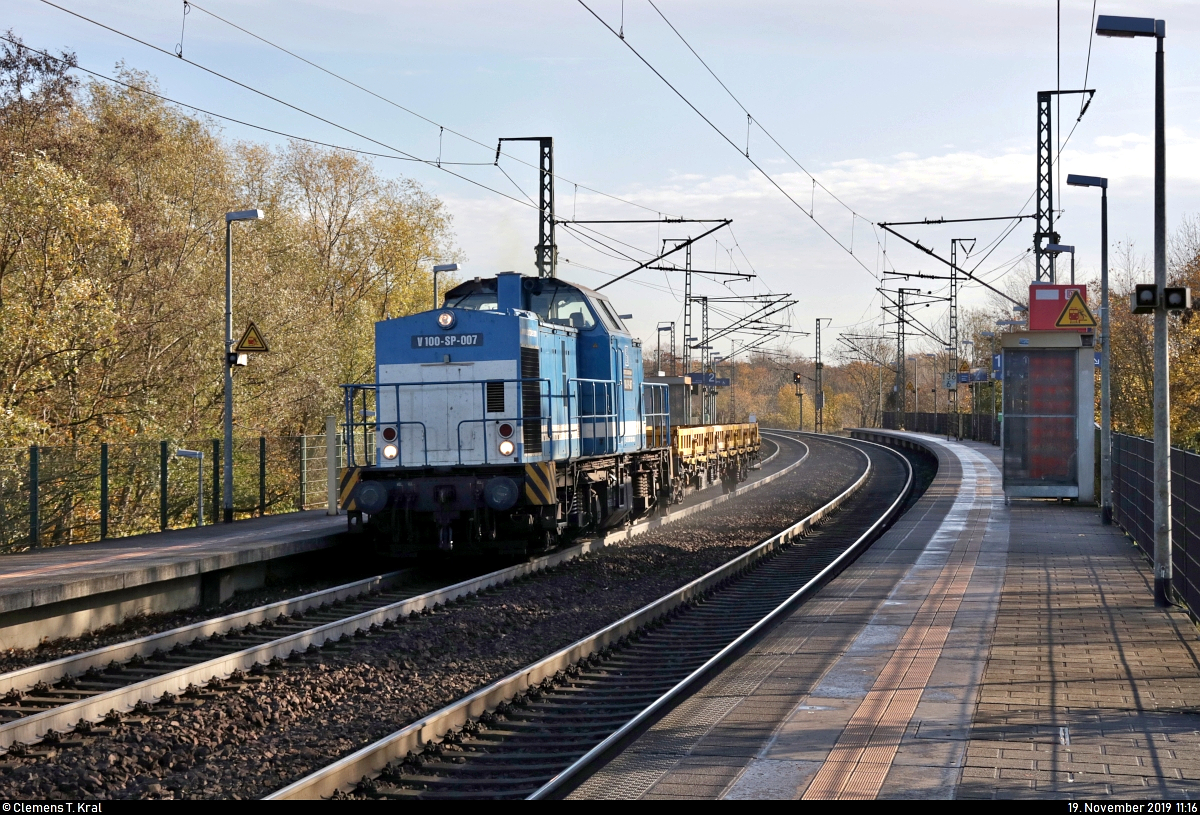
475	301
561	305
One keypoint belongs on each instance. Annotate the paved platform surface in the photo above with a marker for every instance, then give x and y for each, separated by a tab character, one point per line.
975	651
60	573
1089	690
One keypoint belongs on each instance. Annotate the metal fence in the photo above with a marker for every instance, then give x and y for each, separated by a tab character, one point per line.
975	426
1133	508
53	496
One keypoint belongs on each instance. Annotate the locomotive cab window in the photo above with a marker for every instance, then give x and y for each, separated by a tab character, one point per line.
609	316
475	301
562	305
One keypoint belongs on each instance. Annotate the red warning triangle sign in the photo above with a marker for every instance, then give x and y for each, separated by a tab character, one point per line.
1075	314
252	341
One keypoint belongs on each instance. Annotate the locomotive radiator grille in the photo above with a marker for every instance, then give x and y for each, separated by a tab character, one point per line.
495	397
531	399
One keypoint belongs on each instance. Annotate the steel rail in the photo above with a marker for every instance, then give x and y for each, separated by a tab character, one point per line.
49	672
64	717
348	770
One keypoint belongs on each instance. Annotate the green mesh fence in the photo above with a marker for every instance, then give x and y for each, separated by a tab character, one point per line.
77	504
14	498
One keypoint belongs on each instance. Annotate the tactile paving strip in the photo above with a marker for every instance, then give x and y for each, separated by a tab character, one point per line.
862	757
666	751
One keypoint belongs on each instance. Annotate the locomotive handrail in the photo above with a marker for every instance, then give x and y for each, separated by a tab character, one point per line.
613	419
400	440
351	425
520	418
484	421
609	419
664	398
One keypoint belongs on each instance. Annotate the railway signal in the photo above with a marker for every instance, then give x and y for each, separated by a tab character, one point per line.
1145	298
1177	298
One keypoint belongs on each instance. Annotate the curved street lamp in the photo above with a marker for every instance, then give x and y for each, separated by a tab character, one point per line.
1112	26
1106	509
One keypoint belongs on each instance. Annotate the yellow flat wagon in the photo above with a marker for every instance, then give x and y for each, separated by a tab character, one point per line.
701	454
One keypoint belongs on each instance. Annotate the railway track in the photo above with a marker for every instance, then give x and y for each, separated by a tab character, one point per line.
54	696
541	731
184	666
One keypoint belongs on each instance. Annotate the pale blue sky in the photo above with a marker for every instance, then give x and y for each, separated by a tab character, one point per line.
903	110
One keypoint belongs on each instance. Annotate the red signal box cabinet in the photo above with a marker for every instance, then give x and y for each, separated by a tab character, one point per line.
1058	307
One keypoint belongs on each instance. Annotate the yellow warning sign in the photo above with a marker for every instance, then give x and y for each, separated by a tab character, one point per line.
1075	314
252	341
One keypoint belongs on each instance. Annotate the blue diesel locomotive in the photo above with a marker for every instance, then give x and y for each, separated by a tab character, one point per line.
510	416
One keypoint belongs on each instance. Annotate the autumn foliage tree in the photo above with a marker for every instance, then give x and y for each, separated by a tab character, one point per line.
112	264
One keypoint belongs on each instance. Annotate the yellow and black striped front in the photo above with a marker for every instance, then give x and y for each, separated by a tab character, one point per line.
350	477
540	484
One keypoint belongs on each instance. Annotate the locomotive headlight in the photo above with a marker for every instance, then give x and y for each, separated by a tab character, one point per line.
507	448
446	320
390	452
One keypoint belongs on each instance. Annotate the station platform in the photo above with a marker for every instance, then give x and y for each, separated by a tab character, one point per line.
66	590
977	650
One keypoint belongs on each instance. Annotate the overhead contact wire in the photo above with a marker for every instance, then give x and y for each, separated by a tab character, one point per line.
407	110
728	140
214	114
277	100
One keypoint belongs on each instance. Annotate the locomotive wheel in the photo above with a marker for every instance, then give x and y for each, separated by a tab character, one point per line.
545	541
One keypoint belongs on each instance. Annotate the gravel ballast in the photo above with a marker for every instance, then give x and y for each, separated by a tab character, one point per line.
261	734
417	580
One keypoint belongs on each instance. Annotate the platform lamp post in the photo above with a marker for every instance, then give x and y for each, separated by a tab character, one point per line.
445	267
970	351
231	357
933	390
947	349
658	367
713	362
916	388
733	414
1106	509
1056	249
991	336
198	455
1110	26
687	371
